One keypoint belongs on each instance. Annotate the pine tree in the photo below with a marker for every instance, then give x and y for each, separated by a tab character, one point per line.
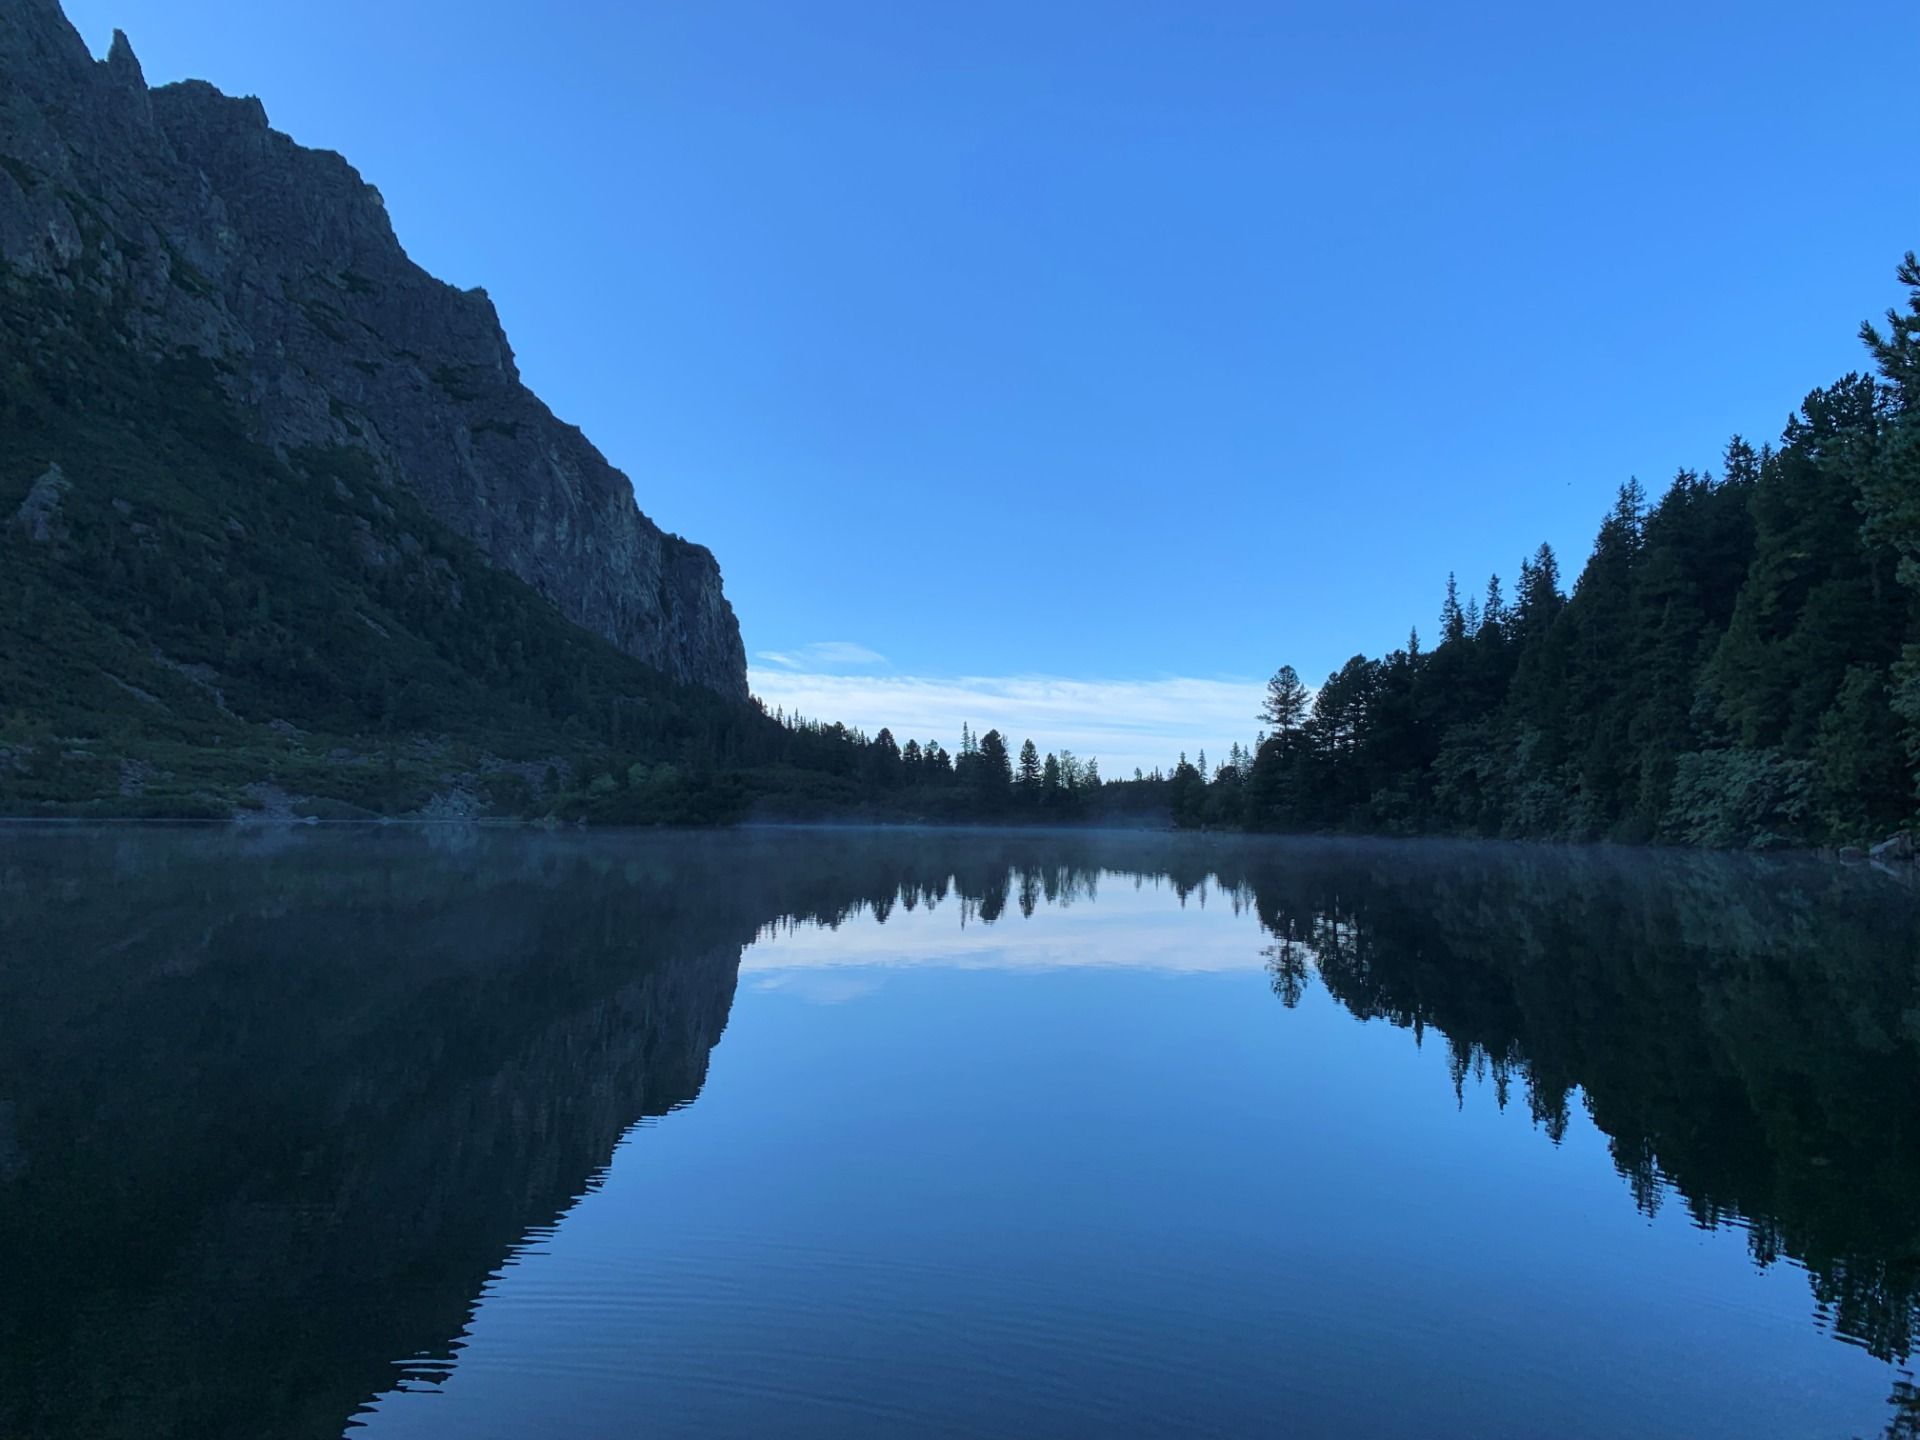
1740	465
1188	797
1453	620
1816	592
1285	707
1540	597
1890	496
888	765
1494	612
1897	353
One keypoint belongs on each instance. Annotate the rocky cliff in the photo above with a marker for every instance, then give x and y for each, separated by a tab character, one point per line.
201	230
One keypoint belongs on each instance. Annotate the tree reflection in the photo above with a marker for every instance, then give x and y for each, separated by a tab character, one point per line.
1746	1034
273	1107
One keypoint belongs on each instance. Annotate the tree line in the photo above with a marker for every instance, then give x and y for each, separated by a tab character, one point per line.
984	779
1737	662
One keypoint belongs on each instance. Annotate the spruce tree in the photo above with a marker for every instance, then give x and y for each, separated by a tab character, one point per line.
1494	612
1453	620
1029	774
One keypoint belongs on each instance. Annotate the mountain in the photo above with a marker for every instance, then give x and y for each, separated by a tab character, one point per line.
272	497
202	231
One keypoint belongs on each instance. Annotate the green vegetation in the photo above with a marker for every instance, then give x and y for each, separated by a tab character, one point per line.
1738	664
186	618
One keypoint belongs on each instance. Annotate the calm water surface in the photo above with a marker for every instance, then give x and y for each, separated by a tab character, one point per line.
495	1134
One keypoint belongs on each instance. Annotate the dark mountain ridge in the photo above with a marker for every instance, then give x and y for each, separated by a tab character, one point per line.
202	233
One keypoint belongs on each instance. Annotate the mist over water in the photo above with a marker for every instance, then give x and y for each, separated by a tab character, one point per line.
493	1133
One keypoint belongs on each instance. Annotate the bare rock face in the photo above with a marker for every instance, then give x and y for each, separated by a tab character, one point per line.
200	228
39	513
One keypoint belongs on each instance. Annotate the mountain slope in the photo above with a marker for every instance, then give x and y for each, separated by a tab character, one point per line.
185	227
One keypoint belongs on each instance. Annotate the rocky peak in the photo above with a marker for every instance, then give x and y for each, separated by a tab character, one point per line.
209	231
126	78
123	65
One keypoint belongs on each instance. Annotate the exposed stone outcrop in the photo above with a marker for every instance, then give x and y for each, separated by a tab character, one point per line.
204	229
39	513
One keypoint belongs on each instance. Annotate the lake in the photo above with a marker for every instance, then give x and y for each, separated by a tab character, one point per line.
457	1132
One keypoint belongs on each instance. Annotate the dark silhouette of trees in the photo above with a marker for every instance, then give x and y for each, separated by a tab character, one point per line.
1738	662
993	771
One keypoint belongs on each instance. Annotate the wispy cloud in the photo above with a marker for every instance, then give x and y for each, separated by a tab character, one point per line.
1122	723
823	655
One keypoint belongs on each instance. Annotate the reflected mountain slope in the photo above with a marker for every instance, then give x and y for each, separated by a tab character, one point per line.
275	1110
274	1106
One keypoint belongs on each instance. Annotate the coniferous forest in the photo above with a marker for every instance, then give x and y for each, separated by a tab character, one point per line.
1735	664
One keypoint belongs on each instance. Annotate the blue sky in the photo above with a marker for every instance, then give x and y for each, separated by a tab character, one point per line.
1114	353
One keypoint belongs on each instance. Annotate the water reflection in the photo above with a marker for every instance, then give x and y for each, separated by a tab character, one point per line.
1745	1034
277	1107
273	1108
